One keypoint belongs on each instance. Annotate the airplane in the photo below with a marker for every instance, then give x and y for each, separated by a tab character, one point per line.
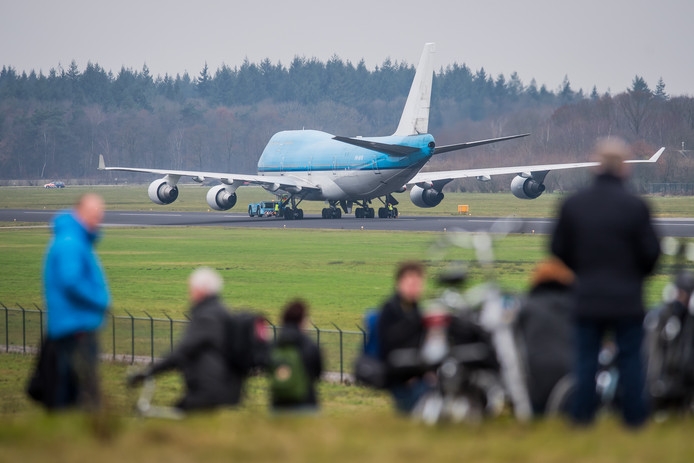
345	171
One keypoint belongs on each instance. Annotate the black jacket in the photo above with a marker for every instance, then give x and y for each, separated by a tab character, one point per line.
544	325
605	235
399	326
311	358
199	355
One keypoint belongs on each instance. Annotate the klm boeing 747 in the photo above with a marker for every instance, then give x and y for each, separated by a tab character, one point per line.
309	165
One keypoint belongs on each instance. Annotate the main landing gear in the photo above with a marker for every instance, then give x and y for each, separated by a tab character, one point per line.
292	212
331	213
365	211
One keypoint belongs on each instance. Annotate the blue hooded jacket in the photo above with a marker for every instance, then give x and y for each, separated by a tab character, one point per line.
75	288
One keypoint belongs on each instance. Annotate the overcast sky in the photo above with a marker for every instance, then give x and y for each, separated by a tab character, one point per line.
594	42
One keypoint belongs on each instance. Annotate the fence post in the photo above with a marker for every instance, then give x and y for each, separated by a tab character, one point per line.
151	337
7	329
24	329
132	338
40	323
274	330
170	331
363	333
113	335
341	357
317	334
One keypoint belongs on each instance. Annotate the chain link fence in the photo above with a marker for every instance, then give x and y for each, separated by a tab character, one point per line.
138	339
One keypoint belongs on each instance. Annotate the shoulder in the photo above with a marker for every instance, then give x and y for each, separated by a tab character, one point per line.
391	304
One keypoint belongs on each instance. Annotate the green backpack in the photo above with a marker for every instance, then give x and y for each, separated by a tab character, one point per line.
289	382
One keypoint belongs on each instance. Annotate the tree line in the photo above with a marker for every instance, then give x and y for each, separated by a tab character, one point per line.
55	125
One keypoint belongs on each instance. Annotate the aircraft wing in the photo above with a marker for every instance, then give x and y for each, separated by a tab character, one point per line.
444	177
272	182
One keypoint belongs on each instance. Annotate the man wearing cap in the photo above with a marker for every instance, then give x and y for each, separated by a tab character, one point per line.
605	235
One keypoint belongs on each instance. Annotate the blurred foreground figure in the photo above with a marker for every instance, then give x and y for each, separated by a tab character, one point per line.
401	326
77	298
295	364
200	355
544	321
670	342
605	235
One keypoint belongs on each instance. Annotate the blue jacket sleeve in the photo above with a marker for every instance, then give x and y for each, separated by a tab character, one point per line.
81	276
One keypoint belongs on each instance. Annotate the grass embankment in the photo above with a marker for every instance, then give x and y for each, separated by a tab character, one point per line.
355	424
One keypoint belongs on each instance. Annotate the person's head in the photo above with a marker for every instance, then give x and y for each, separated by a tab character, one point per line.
294	313
610	153
552	270
203	283
409	281
89	210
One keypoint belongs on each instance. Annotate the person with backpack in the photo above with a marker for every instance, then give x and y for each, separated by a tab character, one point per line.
201	356
296	364
400	326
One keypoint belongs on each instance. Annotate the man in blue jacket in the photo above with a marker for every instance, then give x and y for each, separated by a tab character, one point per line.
77	298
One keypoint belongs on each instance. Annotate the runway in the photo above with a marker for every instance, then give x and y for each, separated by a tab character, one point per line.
679	227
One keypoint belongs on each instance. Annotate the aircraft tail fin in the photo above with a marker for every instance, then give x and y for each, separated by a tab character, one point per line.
415	116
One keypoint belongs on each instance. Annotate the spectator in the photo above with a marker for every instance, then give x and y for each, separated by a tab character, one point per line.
200	355
77	298
296	364
544	321
400	327
605	235
669	340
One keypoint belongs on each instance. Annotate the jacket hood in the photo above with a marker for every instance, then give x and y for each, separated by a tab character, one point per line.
67	224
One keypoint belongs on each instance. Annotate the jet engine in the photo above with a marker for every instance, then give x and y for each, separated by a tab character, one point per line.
162	192
220	198
526	187
429	197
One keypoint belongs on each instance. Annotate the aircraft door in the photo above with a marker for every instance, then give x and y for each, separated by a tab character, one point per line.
376	170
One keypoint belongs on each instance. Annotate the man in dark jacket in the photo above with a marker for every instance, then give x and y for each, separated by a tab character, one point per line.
209	380
77	298
293	318
400	327
605	235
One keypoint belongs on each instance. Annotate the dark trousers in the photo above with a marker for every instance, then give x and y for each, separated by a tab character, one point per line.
628	335
406	395
77	382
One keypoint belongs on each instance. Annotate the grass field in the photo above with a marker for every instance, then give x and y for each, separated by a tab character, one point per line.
355	424
339	273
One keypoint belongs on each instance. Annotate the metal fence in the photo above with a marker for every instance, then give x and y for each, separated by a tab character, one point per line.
137	339
672	189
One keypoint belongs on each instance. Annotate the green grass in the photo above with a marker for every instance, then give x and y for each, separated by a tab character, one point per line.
339	272
355	424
